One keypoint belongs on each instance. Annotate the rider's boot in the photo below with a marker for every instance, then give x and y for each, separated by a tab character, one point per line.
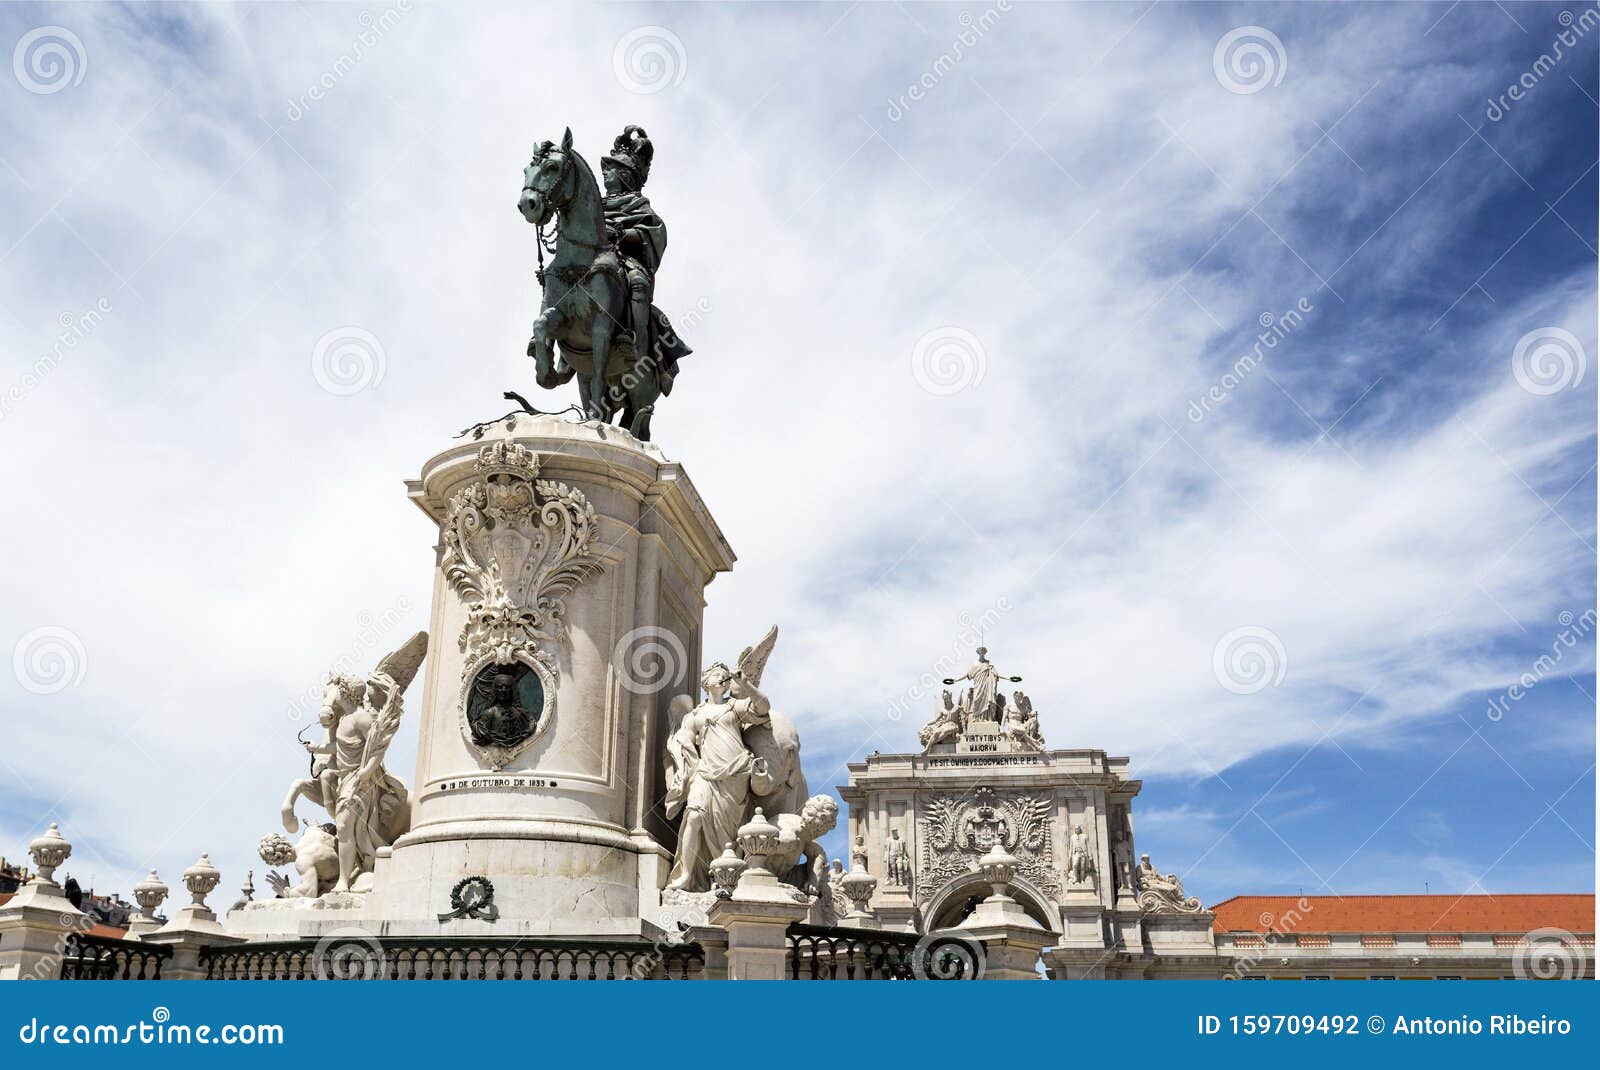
639	296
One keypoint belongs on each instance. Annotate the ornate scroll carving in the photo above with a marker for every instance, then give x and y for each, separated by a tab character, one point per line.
514	546
1162	893
958	829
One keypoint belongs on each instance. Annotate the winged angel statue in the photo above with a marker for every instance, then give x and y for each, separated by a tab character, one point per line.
726	756
370	807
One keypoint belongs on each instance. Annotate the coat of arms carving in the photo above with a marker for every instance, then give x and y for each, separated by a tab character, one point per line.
514	546
958	829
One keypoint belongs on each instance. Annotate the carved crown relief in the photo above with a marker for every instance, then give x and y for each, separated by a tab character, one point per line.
958	829
514	546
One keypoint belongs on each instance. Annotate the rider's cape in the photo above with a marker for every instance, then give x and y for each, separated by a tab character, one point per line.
632	211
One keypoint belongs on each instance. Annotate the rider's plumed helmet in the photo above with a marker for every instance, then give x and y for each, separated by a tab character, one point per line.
632	149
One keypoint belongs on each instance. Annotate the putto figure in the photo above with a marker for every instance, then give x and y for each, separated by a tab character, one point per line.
598	286
370	807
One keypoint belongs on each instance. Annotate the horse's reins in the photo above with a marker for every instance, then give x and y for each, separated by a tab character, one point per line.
544	244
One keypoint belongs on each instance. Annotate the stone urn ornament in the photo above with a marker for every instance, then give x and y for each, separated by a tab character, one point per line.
48	852
202	879
726	870
858	886
150	893
999	868
758	839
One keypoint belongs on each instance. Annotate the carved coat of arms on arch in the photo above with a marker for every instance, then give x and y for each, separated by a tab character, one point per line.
514	546
958	829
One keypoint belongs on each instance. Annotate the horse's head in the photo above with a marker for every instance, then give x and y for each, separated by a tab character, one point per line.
341	696
547	181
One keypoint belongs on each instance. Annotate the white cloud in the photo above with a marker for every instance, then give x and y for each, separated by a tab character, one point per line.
211	523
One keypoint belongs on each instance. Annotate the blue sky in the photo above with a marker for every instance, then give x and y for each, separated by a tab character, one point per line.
950	355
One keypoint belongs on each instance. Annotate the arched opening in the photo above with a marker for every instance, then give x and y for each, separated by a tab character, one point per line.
953	903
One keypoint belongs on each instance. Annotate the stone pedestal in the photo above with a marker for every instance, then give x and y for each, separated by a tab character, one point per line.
34	926
565	824
1011	939
758	942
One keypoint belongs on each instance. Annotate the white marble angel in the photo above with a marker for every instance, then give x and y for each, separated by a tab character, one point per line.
711	770
370	807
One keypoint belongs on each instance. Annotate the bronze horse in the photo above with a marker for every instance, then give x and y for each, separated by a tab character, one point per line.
585	300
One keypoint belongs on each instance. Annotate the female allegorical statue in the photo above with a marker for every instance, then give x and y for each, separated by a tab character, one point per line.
711	772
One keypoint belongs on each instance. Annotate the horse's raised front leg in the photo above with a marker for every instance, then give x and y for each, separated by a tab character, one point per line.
541	347
307	788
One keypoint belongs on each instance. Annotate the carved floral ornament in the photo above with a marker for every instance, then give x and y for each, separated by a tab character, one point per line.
514	546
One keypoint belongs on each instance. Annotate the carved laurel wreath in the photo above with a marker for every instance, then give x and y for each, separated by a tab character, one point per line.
514	546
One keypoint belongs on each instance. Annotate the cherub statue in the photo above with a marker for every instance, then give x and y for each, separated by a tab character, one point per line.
807	870
711	772
315	858
370	807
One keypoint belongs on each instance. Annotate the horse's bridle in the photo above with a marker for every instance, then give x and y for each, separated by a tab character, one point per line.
568	171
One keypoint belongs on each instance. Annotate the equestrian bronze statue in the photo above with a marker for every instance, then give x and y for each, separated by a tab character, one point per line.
600	280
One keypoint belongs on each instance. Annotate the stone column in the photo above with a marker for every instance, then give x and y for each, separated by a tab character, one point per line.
758	915
35	923
1011	939
194	925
